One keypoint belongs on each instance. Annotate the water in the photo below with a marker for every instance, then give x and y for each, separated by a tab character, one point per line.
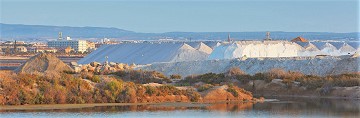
284	108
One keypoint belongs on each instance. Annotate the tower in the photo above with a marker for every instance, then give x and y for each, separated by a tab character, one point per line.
60	36
267	36
229	39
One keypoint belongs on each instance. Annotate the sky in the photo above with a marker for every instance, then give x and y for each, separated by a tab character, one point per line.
156	16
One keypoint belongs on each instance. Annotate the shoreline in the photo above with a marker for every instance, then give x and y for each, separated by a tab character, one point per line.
64	106
166	104
306	96
90	105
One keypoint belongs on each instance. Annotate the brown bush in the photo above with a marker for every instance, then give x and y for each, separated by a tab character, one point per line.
193	95
276	73
142	77
235	71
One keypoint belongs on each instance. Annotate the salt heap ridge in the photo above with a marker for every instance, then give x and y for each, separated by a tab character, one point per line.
321	66
255	49
146	53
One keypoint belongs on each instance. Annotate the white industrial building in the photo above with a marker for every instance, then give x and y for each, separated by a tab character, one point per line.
77	45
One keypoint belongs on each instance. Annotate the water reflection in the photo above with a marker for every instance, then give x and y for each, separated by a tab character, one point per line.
285	107
331	107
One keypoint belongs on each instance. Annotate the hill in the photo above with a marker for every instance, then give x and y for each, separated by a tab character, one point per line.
28	32
42	31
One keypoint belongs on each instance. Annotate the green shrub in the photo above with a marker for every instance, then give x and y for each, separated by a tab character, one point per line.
69	72
115	86
167	90
175	76
150	90
142	77
233	91
94	78
208	78
260	76
204	87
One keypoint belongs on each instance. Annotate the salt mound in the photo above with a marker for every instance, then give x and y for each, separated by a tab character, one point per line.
338	45
346	47
219	52
319	45
306	65
201	47
44	62
328	49
255	49
204	48
145	53
188	53
309	50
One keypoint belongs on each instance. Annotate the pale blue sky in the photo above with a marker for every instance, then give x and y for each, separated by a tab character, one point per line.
189	16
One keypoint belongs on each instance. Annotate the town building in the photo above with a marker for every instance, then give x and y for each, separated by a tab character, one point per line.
10	49
91	46
77	45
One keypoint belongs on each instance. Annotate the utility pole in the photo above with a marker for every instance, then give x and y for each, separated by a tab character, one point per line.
14	47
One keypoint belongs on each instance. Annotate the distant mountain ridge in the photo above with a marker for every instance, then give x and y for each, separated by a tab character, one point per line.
43	32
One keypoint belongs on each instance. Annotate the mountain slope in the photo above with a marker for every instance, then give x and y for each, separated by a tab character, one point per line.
41	31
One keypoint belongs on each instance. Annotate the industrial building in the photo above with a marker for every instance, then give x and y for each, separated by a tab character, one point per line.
77	45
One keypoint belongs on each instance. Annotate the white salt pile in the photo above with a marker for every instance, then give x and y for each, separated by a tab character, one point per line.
145	53
308	65
282	49
255	49
151	52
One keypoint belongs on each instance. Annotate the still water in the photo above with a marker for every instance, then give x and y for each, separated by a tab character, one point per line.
283	108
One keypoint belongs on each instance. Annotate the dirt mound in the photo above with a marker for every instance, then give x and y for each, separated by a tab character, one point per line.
222	93
44	62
